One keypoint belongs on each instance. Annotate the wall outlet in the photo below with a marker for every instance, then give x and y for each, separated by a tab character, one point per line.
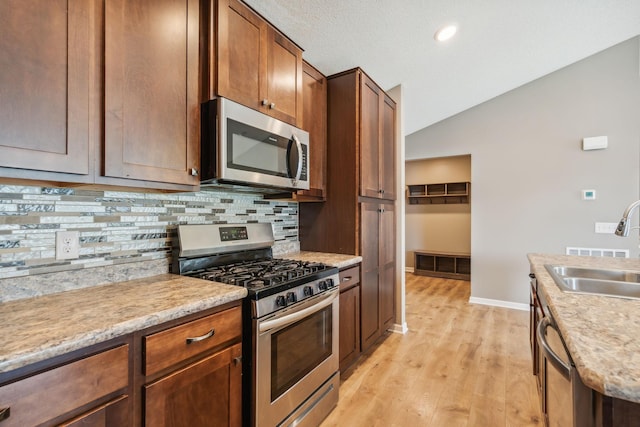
67	245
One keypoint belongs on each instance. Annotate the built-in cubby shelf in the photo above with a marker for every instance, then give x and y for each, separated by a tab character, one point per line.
450	265
441	193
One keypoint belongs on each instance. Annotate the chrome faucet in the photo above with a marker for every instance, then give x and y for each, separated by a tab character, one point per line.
623	225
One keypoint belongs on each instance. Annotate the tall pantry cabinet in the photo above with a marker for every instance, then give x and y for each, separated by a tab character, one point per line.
358	216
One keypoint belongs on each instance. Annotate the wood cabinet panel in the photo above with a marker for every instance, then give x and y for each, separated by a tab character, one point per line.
370	291
388	149
45	57
314	121
207	393
369	138
151	90
241	52
73	385
113	413
387	264
166	348
349	349
255	64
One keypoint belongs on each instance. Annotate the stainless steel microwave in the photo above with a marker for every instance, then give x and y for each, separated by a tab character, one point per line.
242	146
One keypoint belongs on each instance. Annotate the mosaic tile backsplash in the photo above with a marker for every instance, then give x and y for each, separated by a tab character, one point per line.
117	228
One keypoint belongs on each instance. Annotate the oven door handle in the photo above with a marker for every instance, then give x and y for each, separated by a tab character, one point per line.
289	319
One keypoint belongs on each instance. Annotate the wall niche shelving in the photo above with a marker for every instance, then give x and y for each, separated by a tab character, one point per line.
439	193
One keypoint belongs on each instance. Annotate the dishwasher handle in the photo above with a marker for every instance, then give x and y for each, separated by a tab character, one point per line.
559	364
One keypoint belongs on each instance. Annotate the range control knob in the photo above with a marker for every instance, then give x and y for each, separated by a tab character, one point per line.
291	297
280	301
330	283
308	291
322	285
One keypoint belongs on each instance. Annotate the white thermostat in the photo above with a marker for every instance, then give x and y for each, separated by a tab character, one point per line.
588	194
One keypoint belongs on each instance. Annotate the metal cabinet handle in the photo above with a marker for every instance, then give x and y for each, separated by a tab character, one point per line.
272	105
559	364
5	413
237	360
265	101
194	171
201	337
346	279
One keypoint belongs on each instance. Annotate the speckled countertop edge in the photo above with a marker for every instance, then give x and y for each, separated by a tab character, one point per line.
602	333
40	328
334	260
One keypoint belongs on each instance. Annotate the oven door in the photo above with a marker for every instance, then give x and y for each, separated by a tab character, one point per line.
296	353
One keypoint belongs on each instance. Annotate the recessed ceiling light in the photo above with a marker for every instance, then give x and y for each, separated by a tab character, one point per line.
445	33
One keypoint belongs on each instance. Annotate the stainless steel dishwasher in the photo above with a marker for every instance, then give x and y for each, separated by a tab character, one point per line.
567	401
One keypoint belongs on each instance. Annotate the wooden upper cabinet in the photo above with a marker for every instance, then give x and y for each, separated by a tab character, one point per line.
370	95
45	56
377	144
255	64
314	121
152	108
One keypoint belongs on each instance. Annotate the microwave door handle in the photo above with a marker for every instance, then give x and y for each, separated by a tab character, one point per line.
294	139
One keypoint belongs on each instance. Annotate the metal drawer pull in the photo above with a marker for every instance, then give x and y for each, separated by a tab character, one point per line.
346	279
201	337
5	413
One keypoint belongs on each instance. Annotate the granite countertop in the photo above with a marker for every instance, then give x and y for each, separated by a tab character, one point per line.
334	260
39	328
602	333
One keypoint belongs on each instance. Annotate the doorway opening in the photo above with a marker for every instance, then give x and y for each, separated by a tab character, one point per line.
438	217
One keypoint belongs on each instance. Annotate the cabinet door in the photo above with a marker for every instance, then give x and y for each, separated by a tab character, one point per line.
387	266
388	150
369	293
113	413
369	138
45	60
242	53
349	326
284	78
207	393
151	90
314	121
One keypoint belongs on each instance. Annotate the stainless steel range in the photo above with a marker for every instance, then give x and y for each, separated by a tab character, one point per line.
290	324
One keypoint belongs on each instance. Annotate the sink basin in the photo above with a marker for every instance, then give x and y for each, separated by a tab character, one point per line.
614	283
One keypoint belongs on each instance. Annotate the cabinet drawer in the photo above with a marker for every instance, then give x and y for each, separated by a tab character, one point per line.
349	277
166	348
40	398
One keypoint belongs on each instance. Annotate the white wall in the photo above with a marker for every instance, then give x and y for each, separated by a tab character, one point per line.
528	168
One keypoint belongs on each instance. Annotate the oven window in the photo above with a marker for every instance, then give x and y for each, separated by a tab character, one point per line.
298	349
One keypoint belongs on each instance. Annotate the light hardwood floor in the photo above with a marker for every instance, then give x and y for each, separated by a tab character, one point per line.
460	364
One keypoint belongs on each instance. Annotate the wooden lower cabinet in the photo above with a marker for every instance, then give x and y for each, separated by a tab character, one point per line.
349	349
193	371
378	270
89	391
206	393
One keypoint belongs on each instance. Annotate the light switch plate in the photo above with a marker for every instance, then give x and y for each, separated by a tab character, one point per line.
606	227
67	245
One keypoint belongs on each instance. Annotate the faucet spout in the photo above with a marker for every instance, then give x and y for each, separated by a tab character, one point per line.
624	224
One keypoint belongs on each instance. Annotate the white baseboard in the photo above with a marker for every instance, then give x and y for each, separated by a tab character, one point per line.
409	269
399	329
499	303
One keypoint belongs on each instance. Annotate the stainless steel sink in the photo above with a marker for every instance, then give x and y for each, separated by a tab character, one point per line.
614	283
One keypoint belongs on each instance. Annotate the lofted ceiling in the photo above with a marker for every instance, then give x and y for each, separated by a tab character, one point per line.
500	44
